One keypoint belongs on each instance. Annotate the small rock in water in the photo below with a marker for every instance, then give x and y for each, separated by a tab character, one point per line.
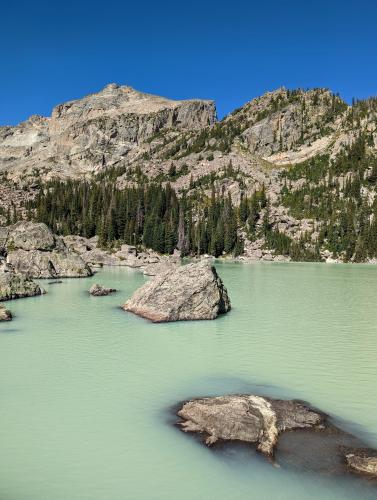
189	292
363	461
5	314
100	291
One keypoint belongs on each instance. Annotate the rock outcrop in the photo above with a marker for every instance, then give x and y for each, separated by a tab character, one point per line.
5	314
14	285
99	291
33	250
289	431
191	292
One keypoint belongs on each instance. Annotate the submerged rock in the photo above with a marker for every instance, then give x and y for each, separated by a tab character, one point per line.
14	285
5	314
190	292
32	249
99	290
248	418
363	461
313	441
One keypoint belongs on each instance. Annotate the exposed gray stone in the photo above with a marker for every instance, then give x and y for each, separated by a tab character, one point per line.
100	291
32	249
288	429
363	462
15	285
248	418
96	131
190	292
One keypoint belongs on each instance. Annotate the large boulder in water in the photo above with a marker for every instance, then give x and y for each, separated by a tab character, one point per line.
248	418
189	292
14	285
33	249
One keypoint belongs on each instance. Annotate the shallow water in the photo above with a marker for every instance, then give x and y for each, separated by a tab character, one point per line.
86	388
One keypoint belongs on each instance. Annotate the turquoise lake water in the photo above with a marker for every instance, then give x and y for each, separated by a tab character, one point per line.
87	390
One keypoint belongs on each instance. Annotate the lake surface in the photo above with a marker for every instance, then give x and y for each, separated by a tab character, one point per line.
87	389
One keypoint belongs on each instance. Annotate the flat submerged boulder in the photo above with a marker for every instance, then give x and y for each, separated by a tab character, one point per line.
363	462
190	292
288	430
247	418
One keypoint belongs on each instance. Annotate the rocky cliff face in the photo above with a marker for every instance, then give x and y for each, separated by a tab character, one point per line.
85	135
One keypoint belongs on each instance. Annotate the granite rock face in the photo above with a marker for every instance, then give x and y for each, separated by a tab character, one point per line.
14	285
33	250
248	418
191	292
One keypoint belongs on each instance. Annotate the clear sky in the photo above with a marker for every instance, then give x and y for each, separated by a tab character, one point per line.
230	51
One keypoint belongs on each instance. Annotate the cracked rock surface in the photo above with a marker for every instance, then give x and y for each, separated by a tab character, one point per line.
14	285
190	292
248	418
35	251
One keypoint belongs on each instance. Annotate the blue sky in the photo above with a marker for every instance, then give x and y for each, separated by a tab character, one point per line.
228	51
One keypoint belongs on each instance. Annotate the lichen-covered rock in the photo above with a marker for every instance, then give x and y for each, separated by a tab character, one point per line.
30	236
33	249
99	291
5	314
248	418
190	292
363	462
15	285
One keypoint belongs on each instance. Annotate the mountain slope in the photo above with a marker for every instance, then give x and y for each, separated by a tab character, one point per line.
99	130
294	171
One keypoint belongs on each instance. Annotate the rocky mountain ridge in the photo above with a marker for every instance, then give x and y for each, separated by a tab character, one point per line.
285	140
99	130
